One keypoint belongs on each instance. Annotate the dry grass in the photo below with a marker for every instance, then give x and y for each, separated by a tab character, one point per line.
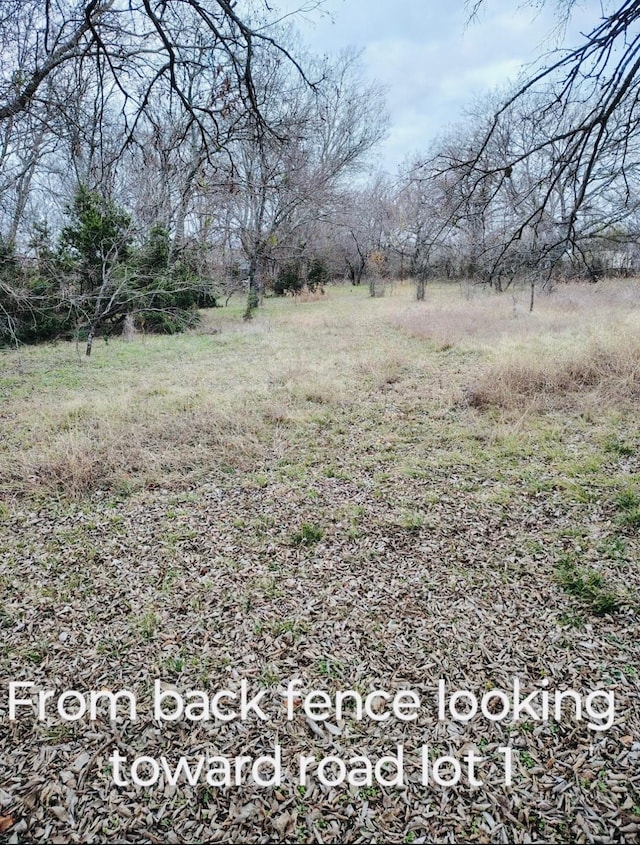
306	496
580	345
149	426
165	412
603	372
472	317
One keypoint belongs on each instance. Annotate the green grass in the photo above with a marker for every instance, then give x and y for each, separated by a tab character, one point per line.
147	625
628	504
588	585
307	535
614	445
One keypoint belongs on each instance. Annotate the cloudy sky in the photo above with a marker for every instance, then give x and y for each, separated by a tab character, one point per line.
431	61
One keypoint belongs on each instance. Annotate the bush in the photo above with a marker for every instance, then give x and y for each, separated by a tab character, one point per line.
96	277
30	308
288	280
98	235
317	275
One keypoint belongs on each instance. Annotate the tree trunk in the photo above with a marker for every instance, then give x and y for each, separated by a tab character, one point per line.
533	293
254	292
89	342
376	285
98	312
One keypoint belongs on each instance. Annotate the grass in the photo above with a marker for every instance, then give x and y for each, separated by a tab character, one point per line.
581	342
588	585
126	419
606	367
628	502
307	535
403	406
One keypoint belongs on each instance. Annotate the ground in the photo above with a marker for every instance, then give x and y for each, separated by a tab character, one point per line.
362	494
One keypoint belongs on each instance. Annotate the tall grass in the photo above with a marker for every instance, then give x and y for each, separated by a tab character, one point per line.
581	342
168	411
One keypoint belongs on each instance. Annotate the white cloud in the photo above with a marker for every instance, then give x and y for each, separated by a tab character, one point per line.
462	85
432	64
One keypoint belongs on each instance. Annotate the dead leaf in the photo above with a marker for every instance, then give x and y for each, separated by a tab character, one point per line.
6	822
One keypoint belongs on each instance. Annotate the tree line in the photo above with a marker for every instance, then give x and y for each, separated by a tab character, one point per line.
157	157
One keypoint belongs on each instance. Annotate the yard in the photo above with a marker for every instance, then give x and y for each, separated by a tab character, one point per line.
363	494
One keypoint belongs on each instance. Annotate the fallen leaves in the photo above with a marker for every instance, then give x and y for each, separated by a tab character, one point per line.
431	557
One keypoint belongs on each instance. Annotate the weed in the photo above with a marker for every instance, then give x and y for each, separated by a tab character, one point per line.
411	522
58	734
174	665
167	581
572	620
588	585
307	535
618	447
292	626
111	647
628	500
613	548
329	668
527	759
269	587
269	676
630	516
604	603
35	655
537	822
147	625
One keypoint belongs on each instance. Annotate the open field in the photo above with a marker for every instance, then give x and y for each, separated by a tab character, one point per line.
364	494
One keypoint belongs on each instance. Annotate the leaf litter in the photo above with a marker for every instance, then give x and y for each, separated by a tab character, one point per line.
418	568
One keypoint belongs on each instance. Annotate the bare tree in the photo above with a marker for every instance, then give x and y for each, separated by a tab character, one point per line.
83	80
582	112
281	182
136	47
424	232
362	224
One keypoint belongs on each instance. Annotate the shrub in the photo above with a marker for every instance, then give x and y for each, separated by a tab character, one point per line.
317	275
96	278
288	280
98	235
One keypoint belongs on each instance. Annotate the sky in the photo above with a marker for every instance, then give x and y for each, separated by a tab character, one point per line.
431	60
